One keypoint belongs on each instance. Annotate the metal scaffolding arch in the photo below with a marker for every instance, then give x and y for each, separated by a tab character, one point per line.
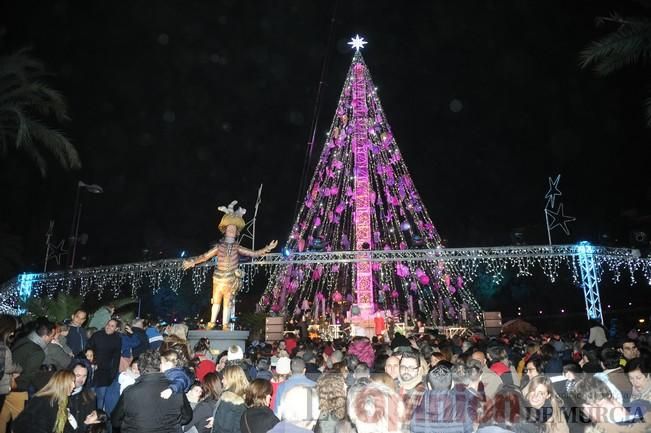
590	281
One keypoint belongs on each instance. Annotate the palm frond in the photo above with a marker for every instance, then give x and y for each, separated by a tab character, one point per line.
22	95
22	136
54	141
629	44
614	17
55	102
33	152
38	97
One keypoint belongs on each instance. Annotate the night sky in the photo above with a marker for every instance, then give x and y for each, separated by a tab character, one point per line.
179	107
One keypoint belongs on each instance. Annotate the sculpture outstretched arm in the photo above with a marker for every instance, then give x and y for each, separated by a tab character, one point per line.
258	253
191	263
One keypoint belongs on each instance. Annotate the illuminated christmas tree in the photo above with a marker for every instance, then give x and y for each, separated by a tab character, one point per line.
362	198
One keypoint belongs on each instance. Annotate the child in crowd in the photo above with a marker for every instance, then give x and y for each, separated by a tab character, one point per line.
129	376
171	363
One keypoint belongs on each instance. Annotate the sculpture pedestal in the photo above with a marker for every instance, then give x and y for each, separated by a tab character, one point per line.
219	340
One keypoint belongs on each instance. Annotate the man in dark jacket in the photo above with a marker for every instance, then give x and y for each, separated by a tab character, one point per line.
76	338
107	346
29	353
140	408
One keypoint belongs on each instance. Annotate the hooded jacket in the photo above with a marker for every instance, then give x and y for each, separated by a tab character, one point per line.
258	419
228	413
29	355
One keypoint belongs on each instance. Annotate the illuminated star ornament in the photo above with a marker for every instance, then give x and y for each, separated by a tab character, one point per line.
559	219
555	218
357	43
56	252
553	191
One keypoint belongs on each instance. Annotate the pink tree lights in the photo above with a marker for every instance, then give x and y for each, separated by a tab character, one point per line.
362	198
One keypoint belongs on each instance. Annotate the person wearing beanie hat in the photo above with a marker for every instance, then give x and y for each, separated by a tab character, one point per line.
235	356
283	369
235	353
283	366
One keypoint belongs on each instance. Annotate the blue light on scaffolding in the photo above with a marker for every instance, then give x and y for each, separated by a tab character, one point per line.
25	285
585	248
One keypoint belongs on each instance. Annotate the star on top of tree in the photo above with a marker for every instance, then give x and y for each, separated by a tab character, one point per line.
357	43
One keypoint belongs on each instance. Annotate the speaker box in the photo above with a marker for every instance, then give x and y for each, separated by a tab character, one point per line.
492	322
274	328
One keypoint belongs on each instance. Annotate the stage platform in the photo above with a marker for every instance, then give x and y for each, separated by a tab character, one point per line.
219	340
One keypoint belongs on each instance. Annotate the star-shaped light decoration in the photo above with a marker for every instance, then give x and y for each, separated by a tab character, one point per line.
553	192
559	219
56	252
357	43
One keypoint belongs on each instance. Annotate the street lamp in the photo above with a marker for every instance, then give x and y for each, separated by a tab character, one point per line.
76	217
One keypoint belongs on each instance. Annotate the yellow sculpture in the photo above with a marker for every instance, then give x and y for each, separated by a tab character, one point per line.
227	277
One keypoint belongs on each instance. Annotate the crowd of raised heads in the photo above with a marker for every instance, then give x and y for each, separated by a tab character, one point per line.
141	377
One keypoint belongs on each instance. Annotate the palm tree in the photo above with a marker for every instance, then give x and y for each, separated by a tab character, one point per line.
26	103
628	44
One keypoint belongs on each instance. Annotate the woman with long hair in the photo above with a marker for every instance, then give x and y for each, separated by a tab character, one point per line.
211	389
545	406
47	411
331	389
258	417
229	410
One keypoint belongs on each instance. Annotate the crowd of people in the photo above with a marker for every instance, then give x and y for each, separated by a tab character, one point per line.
137	377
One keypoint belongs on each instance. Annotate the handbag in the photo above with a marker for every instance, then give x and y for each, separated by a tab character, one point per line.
214	413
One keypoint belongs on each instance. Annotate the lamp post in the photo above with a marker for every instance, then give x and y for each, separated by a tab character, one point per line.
76	217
